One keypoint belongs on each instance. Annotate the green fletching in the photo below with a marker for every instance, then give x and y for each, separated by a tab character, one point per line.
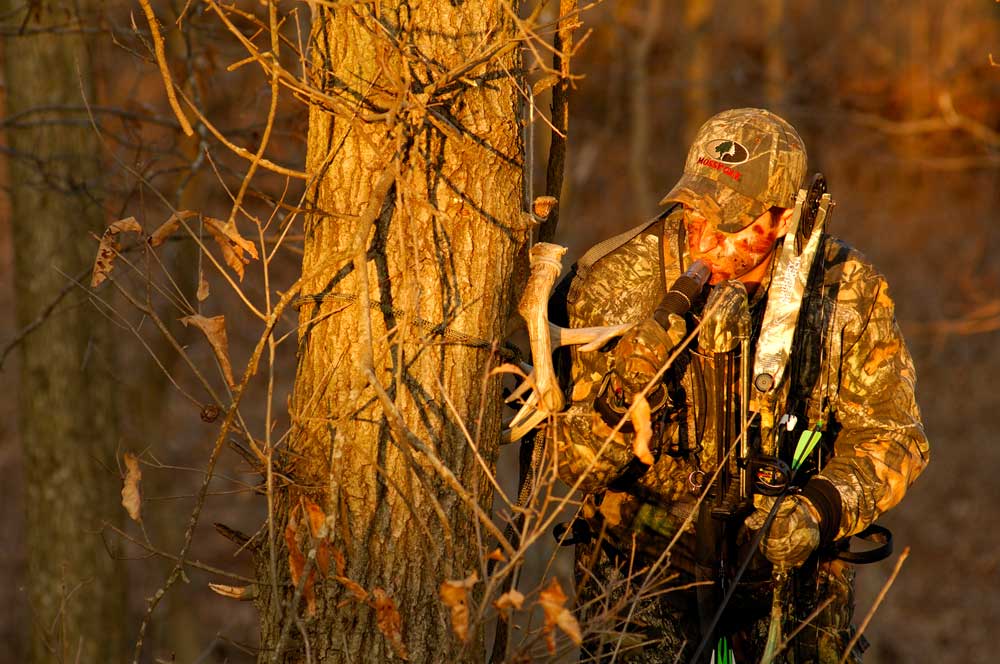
807	443
722	654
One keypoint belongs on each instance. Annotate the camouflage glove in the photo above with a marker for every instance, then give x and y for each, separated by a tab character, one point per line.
637	358
794	534
639	355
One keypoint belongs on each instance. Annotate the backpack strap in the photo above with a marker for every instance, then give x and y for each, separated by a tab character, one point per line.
602	249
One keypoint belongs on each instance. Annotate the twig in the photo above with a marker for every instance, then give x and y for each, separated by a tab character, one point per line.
243	152
812	616
562	51
271	113
42	317
293	605
161	60
878	601
404	436
190	563
220	440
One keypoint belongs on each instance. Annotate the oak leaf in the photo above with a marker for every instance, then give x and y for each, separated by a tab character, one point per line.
353	587
234	246
544	84
553	601
215	331
297	565
203	291
318	530
242	593
455	595
131	496
167	228
389	622
340	564
643	430
107	250
512	599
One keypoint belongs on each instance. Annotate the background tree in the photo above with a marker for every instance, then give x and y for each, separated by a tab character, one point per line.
68	422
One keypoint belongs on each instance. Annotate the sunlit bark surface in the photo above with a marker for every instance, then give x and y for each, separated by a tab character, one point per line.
437	261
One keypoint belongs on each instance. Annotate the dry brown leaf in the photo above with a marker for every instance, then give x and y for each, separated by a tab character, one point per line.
242	593
455	595
511	599
553	601
496	554
215	331
316	516
131	496
568	624
643	430
353	587
203	291
296	561
234	246
339	563
390	623
317	527
169	227
297	565
544	84
107	251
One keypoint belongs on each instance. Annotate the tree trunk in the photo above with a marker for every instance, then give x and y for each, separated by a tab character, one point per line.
641	109
436	166
699	44
67	416
775	61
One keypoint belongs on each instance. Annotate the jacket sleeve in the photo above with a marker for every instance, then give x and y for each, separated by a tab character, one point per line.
881	447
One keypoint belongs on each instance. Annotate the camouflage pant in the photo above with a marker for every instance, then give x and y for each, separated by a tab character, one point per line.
648	617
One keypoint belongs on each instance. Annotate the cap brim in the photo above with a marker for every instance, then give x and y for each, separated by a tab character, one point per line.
727	209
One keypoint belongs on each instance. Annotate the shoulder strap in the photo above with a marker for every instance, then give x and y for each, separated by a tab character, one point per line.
602	249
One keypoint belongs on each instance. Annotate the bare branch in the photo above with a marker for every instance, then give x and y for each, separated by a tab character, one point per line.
161	59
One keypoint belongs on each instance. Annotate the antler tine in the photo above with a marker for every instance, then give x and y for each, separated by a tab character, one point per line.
588	338
546	396
546	264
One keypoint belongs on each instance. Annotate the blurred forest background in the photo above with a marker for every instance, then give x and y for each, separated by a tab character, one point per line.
898	103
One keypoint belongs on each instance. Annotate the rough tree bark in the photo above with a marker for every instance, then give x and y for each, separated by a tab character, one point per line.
775	58
641	110
67	416
698	47
432	156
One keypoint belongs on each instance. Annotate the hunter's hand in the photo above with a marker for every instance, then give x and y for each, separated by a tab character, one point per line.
642	351
794	534
638	357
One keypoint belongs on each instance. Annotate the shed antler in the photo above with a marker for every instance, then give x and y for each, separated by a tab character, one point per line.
546	397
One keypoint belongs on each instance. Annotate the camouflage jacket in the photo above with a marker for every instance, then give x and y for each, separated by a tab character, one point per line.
851	371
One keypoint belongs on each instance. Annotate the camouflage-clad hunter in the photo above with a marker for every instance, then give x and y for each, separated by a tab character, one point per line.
850	374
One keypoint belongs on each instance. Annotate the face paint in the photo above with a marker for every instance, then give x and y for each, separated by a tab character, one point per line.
731	255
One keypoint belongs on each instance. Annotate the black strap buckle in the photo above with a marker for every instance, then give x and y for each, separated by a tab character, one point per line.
873	534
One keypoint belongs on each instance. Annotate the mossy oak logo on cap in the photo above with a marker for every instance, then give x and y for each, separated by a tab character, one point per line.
727	151
722	155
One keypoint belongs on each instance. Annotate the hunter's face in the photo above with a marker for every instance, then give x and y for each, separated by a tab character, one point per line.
742	255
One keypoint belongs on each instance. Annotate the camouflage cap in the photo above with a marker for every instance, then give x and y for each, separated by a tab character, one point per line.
741	163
